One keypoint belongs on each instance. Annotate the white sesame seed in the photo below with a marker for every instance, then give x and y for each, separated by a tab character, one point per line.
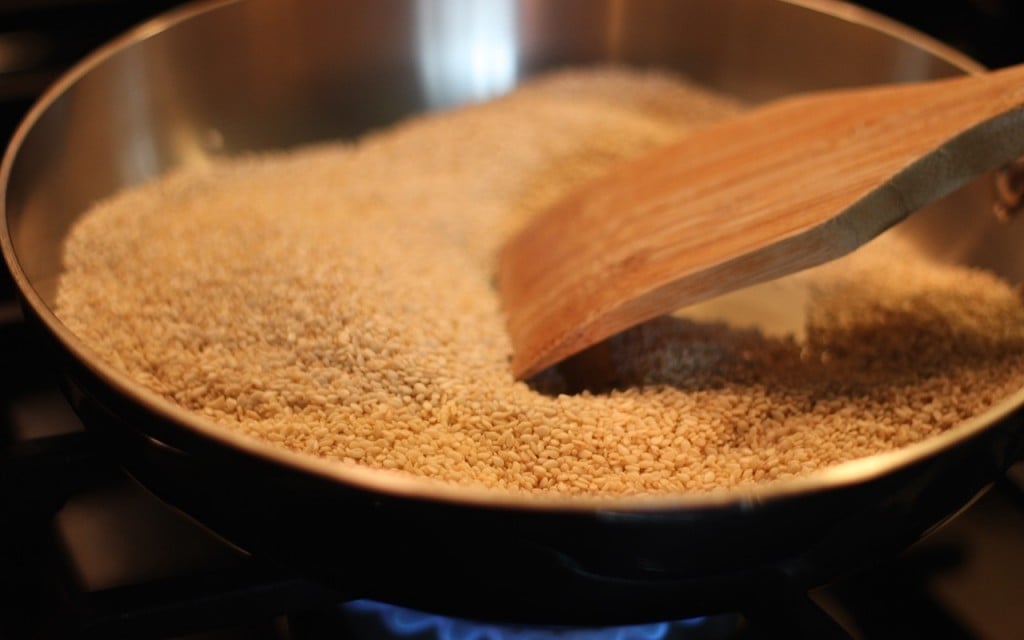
337	300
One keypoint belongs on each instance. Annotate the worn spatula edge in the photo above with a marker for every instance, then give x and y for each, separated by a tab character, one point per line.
930	177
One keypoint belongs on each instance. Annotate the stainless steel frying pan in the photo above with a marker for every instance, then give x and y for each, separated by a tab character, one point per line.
242	75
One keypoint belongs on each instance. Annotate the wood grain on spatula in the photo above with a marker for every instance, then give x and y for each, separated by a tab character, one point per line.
781	188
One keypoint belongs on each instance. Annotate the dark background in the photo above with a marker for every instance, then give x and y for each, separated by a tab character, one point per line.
990	31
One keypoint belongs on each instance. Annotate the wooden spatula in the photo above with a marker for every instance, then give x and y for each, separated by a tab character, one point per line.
778	189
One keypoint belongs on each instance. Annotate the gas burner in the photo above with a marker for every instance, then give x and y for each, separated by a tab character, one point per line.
389	621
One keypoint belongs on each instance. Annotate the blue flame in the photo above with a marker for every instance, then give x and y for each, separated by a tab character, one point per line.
407	622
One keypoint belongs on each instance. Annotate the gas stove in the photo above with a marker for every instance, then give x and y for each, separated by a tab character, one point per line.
85	551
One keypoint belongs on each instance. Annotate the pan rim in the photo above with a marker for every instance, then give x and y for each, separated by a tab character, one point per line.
404	485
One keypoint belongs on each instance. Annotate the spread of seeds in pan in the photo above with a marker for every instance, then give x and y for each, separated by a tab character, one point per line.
339	300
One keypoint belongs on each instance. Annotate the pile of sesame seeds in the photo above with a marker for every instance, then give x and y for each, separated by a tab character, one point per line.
338	301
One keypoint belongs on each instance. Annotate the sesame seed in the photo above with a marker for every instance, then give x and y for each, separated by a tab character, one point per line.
338	300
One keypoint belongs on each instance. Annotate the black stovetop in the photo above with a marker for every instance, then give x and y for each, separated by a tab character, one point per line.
86	552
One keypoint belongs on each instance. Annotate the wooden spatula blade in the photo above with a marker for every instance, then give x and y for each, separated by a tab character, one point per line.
782	188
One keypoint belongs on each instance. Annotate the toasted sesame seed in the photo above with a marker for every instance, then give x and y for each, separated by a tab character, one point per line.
337	300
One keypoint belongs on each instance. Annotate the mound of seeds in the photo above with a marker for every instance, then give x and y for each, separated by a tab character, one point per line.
338	300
